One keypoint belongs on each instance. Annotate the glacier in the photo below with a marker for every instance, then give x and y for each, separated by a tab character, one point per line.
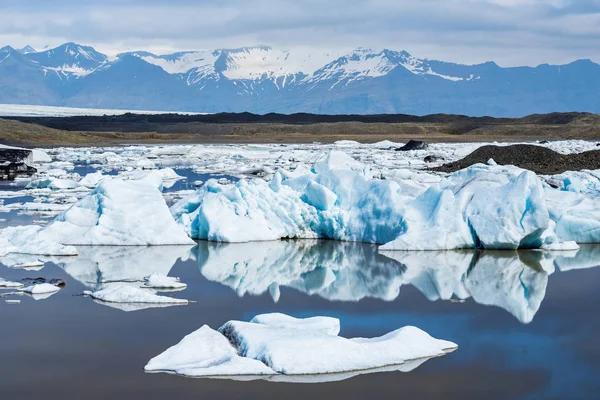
277	344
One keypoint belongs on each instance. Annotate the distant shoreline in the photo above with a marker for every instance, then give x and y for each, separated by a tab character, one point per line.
246	128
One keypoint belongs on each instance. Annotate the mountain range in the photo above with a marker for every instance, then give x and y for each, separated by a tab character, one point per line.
262	79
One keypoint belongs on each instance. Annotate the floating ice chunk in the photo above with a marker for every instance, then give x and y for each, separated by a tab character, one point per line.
386	144
53	184
119	293
206	352
294	352
42	288
327	325
31	264
336	160
564	246
8	284
92	180
347	143
250	350
117	213
144	163
157	281
40	156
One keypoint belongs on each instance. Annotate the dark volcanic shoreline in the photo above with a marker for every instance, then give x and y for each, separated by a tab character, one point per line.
538	159
295	128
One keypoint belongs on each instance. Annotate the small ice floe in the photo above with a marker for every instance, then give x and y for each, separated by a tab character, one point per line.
4	284
41	288
131	298
158	282
39	291
30	266
12	301
278	347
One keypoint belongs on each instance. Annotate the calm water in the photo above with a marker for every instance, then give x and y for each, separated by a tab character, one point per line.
535	338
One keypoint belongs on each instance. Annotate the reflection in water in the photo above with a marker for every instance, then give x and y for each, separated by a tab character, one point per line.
340	271
514	281
97	266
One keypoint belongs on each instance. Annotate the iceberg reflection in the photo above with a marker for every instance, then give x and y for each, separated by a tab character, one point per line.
97	266
515	281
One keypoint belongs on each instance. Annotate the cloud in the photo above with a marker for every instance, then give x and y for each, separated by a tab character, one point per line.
512	32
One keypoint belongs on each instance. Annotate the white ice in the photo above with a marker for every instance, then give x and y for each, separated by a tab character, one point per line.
158	281
120	293
4	284
291	347
42	288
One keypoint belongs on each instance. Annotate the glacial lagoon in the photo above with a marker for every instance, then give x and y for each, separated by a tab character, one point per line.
524	321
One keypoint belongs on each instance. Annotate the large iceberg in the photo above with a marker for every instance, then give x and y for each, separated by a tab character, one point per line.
117	212
483	206
277	344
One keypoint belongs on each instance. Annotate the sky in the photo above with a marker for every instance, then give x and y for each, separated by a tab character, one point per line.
510	32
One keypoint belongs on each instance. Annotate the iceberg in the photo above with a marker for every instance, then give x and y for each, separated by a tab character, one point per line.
131	213
280	345
118	213
483	206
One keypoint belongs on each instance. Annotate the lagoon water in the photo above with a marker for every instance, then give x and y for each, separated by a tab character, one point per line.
526	322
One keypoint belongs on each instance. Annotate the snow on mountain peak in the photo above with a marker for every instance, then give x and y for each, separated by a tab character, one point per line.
27	50
69	59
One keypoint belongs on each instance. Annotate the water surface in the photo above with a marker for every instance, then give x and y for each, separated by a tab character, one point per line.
526	329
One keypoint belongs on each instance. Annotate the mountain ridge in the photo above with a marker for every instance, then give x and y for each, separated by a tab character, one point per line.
262	79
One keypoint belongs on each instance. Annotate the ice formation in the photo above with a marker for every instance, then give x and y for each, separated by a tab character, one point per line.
345	191
483	206
277	344
4	284
42	288
117	212
158	281
121	293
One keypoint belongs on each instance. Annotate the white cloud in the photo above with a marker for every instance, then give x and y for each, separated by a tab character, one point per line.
511	32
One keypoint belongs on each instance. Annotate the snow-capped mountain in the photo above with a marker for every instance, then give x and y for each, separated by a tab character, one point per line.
264	79
69	59
27	50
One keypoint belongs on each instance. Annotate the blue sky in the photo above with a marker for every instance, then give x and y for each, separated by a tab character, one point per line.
511	32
